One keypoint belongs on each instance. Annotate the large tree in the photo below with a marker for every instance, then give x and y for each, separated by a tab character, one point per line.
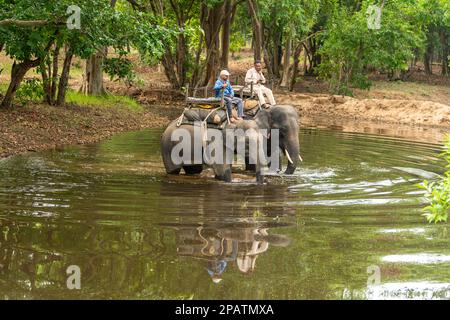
34	35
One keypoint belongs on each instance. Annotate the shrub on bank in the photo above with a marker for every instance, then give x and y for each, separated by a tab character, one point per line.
438	193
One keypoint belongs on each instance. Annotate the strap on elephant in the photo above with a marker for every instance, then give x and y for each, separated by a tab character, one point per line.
180	118
222	104
204	122
204	126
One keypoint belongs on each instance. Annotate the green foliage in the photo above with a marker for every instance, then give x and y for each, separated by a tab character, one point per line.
340	47
237	42
27	43
119	68
30	90
105	101
344	50
438	193
350	48
102	26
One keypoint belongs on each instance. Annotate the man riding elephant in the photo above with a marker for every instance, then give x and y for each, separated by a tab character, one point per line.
256	77
223	85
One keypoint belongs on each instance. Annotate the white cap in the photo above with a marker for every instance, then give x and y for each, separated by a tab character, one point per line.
224	73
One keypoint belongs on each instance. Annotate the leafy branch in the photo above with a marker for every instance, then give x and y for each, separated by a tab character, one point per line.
438	193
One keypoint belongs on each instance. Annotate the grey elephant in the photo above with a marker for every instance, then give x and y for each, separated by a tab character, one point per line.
285	119
282	117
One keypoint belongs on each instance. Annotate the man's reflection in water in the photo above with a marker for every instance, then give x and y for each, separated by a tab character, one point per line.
216	223
220	247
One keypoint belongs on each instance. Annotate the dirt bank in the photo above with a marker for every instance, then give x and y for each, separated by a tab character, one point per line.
376	110
39	127
417	120
415	110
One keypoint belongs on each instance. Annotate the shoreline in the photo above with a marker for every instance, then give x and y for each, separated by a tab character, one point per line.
38	127
416	133
414	120
41	127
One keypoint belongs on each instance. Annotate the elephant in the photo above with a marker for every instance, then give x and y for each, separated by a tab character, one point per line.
285	119
218	245
281	117
222	169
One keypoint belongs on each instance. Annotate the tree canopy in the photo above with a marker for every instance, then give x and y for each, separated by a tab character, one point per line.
192	39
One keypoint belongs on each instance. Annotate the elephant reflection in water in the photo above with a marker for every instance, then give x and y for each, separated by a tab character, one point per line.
219	247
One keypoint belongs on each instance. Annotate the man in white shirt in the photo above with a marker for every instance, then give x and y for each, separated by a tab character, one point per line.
255	76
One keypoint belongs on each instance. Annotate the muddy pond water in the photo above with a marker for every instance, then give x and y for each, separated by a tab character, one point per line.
347	225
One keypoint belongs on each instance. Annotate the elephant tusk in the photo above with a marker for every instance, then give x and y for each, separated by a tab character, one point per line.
300	157
288	156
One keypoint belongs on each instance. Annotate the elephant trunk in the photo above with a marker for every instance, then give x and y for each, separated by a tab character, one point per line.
292	151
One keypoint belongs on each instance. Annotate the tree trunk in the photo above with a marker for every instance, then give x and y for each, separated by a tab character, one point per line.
428	59
211	21
46	85
286	62
169	69
181	60
257	29
445	52
297	52
18	72
197	68
93	76
226	30
64	79
307	61
277	54
54	79
313	57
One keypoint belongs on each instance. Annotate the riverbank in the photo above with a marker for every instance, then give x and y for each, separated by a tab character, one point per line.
410	112
38	127
417	110
424	121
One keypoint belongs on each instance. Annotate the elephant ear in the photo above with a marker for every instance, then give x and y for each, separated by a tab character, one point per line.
264	119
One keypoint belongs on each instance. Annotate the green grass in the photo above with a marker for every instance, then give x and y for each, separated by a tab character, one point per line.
98	101
103	101
76	71
5	67
3	87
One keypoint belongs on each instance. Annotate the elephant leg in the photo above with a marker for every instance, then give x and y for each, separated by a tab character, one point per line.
174	172
171	168
166	147
280	161
259	175
248	166
254	168
222	172
191	170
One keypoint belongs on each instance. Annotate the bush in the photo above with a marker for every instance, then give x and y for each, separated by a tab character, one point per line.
438	193
118	68
30	90
350	48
